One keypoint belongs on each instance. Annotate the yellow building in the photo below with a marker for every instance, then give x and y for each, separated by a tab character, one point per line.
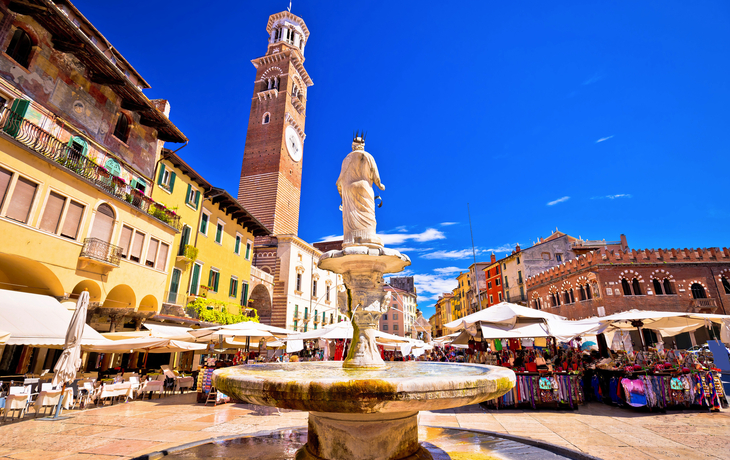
214	250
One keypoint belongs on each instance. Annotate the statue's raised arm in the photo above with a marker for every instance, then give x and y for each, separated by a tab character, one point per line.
355	185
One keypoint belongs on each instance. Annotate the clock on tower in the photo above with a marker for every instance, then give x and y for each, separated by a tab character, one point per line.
271	174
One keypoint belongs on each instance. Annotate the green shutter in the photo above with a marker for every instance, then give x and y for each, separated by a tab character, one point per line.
204	224
218	233
15	118
172	180
230	288
197	199
174	285
217	278
248	250
187	196
210	279
245	295
238	244
196	278
161	175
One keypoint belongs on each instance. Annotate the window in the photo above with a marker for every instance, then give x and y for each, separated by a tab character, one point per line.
219	233
244	293
233	288
566	297
506	282
504	266
184	240
267	118
491	300
53	219
152	252
518	261
497	281
519	277
104	224
78	145
698	291
237	248
635	285
395	315
295	324
166	178
489	285
193	197
559	257
327	294
204	223
667	287
121	130
249	245
385	327
125	238
395	327
589	292
306	312
162	256
213	278
22	200
5	177
657	287
299	283
499	294
385	317
20	47
626	287
725	284
195	279
135	253
314	289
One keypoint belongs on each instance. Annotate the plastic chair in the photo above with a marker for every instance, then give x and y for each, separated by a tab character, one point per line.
15	401
45	400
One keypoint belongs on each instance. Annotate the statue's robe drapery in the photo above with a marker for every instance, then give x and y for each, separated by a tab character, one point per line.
358	173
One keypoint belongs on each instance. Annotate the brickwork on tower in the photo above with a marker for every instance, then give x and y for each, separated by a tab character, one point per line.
611	281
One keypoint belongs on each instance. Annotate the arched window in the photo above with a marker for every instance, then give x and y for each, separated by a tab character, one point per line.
566	297
103	223
572	296
554	298
266	119
582	293
667	287
121	130
20	47
657	287
635	285
726	285
698	291
589	294
626	287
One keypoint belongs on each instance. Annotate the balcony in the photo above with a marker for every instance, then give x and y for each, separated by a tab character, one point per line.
99	252
75	162
703	305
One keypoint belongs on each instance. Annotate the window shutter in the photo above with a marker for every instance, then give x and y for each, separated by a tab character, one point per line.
12	125
196	278
103	223
162	256
124	240
174	285
22	200
5	177
52	213
136	253
217	278
197	199
161	175
238	245
72	223
172	180
210	278
152	252
245	296
187	196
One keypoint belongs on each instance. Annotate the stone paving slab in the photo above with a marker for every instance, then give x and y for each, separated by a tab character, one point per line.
123	431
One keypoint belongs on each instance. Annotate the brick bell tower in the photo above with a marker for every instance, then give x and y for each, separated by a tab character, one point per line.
271	175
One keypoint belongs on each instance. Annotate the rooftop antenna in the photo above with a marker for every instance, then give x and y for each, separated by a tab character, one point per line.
289	9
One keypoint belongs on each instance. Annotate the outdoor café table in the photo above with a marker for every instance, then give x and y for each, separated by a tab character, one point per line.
152	386
182	383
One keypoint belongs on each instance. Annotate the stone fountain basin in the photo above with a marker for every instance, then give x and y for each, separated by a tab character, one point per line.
328	387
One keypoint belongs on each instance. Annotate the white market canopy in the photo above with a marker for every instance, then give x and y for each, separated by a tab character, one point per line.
503	312
168	331
244	329
38	320
668	324
341	330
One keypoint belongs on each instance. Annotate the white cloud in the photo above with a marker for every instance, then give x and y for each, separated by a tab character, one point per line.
596	77
429	234
431	286
447	270
453	254
559	200
604	139
446	224
507	247
406	249
612	197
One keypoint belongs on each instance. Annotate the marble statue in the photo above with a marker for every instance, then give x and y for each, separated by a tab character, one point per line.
355	184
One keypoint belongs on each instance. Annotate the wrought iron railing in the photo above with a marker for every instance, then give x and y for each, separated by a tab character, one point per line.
37	139
704	303
97	249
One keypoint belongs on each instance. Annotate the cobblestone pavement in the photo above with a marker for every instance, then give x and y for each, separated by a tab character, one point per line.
127	430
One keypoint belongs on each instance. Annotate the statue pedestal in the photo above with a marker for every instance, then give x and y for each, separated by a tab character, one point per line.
362	269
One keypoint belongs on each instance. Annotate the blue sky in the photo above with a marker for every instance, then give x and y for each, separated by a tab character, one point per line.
596	118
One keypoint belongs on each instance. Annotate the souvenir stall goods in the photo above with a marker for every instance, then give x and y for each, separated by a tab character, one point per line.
657	381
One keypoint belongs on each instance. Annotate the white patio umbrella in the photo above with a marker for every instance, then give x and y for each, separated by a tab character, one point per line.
503	312
70	361
243	329
341	330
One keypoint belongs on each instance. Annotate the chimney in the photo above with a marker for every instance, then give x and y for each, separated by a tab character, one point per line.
517	247
494	258
624	243
163	105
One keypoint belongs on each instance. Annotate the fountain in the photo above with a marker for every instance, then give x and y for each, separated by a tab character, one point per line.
363	408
